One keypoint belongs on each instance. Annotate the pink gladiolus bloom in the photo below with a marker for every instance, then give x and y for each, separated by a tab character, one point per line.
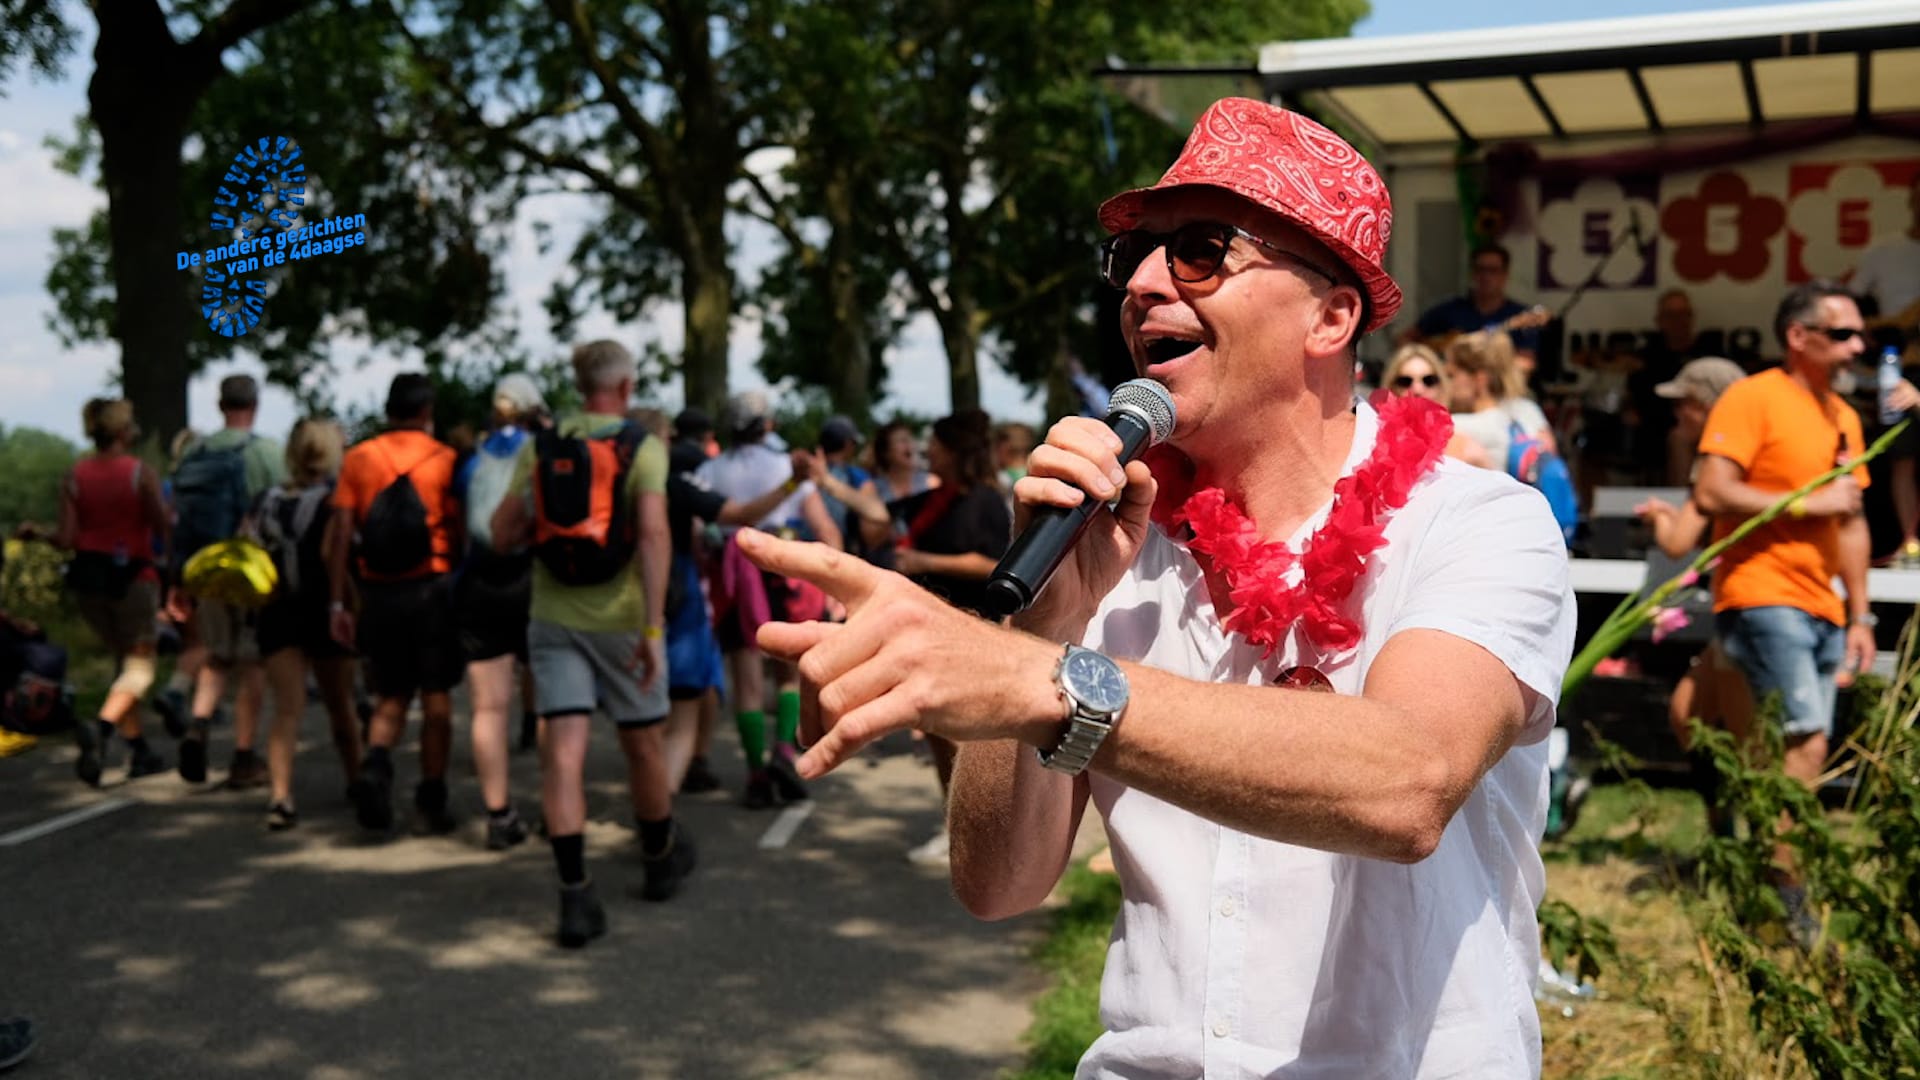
1689	579
1666	621
1612	667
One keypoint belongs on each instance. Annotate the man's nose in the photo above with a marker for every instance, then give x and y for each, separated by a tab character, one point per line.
1151	282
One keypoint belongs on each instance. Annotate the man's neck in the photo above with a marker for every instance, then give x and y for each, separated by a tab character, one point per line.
407	425
604	404
1816	378
1489	305
1282	470
239	423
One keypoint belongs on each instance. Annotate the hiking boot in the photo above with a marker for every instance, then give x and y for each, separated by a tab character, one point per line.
146	762
505	831
281	817
245	772
372	796
16	1041
699	778
87	767
759	794
193	753
581	917
430	803
786	779
669	869
172	707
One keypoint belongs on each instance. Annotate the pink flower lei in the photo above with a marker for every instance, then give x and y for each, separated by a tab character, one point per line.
1413	434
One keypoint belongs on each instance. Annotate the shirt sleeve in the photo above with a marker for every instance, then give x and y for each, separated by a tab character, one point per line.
1493	571
1736	427
266	465
346	491
695	500
650	467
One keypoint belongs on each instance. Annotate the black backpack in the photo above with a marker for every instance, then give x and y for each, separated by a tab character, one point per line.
209	497
395	539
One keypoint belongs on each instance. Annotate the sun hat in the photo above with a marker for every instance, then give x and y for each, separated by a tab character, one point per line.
1283	162
1703	380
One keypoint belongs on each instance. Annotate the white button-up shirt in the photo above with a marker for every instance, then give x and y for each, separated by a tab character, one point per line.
1238	957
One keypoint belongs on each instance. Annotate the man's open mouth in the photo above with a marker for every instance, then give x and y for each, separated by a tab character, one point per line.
1161	350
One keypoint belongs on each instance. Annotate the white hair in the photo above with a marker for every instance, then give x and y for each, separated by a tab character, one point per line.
601	365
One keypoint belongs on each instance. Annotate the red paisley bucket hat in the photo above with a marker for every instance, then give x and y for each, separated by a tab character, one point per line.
1296	168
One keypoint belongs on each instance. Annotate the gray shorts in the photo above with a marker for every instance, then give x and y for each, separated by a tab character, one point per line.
575	670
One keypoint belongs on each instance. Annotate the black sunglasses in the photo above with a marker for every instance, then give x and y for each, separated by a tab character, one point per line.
1839	335
1405	382
1195	252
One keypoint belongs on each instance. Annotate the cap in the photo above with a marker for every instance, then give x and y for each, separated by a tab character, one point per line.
516	394
746	407
692	423
1286	163
837	434
1703	380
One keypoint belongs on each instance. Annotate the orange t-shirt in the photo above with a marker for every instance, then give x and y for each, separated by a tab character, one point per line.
1776	430
369	467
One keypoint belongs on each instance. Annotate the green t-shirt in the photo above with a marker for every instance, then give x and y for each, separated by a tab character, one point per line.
617	605
266	459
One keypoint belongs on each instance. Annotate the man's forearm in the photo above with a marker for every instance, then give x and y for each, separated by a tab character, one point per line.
1856	550
339	540
656	559
1734	499
1012	825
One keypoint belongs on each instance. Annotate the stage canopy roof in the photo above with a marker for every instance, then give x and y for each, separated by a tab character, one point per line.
1629	76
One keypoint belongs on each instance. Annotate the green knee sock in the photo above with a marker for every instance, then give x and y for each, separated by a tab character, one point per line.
787	730
753	736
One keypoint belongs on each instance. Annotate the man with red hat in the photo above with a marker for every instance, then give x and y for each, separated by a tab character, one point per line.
1319	884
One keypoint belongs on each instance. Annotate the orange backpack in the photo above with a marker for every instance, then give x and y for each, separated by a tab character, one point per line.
585	530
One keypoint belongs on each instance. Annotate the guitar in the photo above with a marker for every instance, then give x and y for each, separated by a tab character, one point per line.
1533	318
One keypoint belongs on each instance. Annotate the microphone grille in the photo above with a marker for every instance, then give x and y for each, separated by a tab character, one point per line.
1149	400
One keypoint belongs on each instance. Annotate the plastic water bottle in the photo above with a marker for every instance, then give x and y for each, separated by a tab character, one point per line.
1889	378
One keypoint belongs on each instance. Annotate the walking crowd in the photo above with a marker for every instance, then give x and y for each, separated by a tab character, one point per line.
570	564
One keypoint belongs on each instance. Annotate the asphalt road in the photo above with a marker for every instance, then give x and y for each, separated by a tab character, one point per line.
170	935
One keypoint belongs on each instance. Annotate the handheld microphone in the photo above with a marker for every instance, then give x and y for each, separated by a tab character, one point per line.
1141	413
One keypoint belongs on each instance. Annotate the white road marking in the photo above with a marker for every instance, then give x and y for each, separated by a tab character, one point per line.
71	817
785	826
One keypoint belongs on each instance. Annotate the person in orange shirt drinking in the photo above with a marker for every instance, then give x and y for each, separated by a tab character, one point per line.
1778	617
394	505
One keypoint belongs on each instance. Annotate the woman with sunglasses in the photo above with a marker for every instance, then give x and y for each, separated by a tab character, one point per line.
1415	369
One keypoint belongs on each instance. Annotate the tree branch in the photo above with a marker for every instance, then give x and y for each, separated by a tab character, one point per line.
777	215
652	143
916	274
242	19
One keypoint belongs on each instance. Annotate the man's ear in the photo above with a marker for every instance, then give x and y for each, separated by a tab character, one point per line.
1338	324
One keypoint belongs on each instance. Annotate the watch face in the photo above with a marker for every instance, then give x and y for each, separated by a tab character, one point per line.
1097	682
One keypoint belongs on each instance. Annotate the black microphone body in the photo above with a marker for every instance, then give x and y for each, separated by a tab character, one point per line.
1053	531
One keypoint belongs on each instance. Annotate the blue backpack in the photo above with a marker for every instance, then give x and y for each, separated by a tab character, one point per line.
209	497
1530	462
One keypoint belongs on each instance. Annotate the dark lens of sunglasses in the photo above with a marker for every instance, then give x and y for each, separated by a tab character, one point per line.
1405	382
1197	251
1123	254
1840	334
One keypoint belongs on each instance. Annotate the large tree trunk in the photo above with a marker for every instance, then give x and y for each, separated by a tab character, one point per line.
140	99
849	348
960	333
706	286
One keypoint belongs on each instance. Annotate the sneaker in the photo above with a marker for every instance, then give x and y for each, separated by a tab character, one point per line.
245	772
281	817
786	780
172	707
372	796
145	762
669	869
759	794
505	832
581	917
16	1041
87	767
699	778
931	853
193	753
430	802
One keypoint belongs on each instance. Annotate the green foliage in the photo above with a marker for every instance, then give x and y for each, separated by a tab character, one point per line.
33	583
34	463
32	32
1066	1019
1576	944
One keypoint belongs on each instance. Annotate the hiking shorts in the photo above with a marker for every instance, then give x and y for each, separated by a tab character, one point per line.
227	632
1786	650
575	670
491	609
126	622
406	637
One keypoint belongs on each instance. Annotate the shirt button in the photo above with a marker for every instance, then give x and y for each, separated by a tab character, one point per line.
1226	907
1221	1028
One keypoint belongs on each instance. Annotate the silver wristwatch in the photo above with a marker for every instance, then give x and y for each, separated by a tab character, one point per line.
1096	693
